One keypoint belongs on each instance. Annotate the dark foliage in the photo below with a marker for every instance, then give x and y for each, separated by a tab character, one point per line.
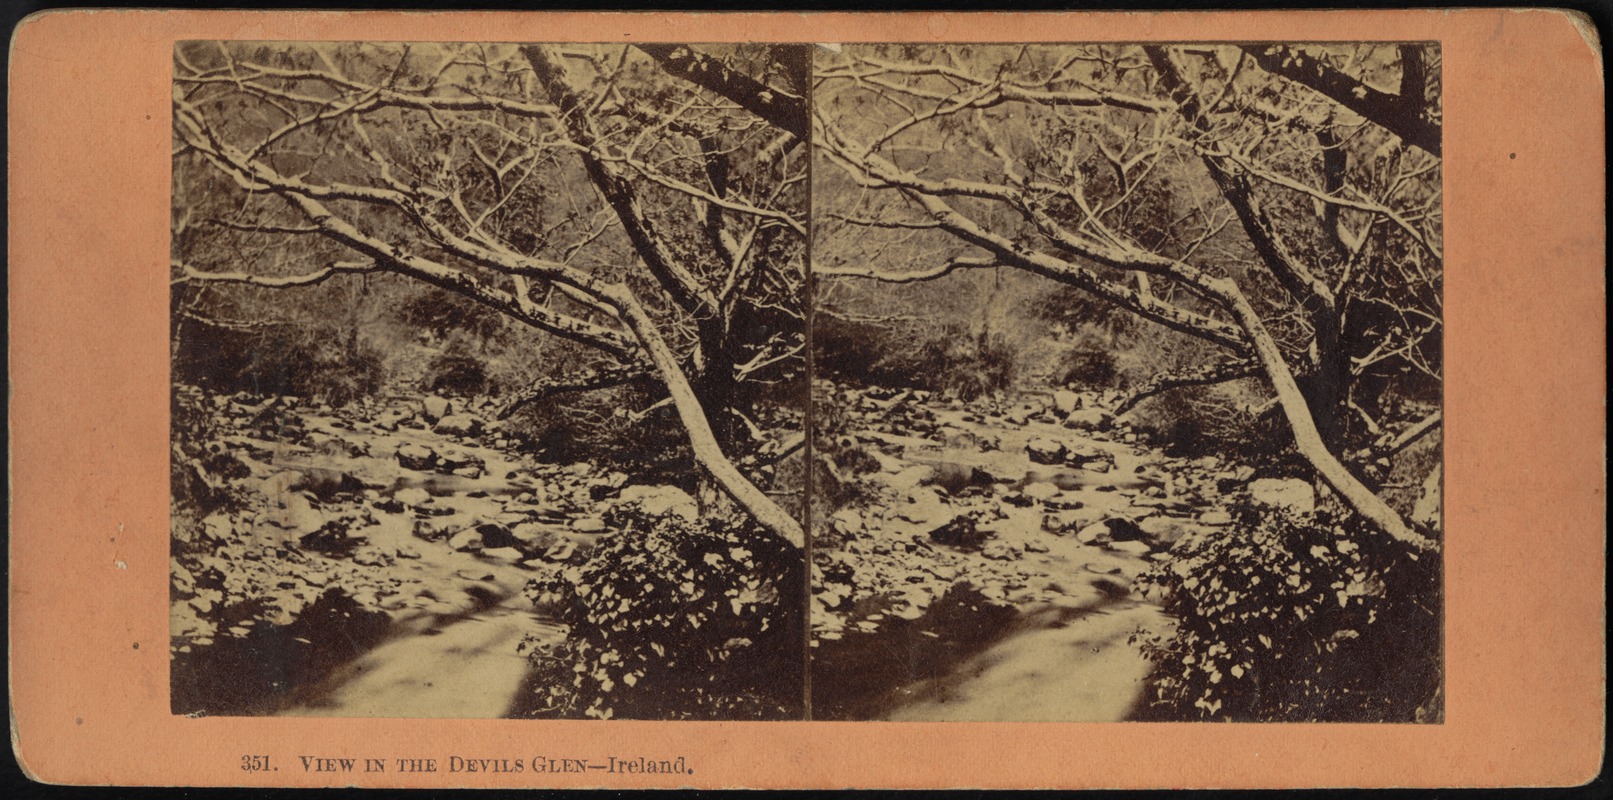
672	619
944	357
306	361
1290	617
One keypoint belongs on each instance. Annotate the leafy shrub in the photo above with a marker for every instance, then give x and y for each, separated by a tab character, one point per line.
968	367
1093	369
1290	617
600	427
1197	421
307	361
944	358
672	619
456	371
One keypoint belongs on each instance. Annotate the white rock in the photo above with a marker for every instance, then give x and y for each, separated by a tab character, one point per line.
435	408
1065	401
504	554
1291	493
466	540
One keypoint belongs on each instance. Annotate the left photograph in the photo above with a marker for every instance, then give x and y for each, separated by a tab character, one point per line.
489	380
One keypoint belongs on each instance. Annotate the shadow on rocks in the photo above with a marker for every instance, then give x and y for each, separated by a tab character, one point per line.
254	674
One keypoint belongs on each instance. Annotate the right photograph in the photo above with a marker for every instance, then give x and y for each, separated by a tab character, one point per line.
1127	382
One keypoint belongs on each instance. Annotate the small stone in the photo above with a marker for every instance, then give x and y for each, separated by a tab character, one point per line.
1132	547
504	554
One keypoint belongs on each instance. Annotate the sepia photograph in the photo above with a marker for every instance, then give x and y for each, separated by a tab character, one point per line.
488	380
558	400
1127	382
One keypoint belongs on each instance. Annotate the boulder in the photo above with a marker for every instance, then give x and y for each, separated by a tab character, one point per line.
1089	419
847	522
452	460
656	501
280	484
1039	490
924	505
1290	493
332	537
458	425
435	408
535	536
960	531
588	525
468	540
560	551
370	557
1215	516
494	535
1113	529
218	528
1045	451
412	496
295	513
327	484
1164	530
417	457
1063	522
1066	401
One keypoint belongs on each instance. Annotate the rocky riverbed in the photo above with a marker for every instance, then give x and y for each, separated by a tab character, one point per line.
367	560
983	569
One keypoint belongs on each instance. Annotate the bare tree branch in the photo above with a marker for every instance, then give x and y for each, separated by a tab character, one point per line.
1206	375
781	110
1406	116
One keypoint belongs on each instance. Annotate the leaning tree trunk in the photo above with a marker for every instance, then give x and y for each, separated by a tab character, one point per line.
708	452
1307	438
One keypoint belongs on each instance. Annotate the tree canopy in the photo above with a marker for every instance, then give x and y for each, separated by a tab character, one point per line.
1277	208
